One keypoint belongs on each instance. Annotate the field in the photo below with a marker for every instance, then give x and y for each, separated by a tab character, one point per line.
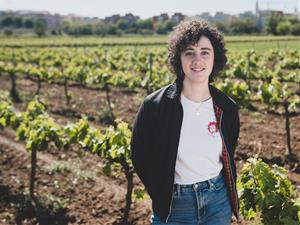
234	42
107	82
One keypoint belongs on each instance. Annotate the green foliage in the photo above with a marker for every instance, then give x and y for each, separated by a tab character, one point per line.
277	93
40	27
119	141
35	108
272	22
112	147
139	194
8	117
238	90
245	26
284	28
37	128
39	132
267	190
295	29
76	132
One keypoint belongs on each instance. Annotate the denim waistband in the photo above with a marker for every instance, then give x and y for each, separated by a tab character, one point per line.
199	185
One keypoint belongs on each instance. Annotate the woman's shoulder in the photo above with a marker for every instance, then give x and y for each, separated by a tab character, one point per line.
223	100
157	96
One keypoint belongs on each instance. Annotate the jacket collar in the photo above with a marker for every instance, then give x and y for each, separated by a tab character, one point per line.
220	99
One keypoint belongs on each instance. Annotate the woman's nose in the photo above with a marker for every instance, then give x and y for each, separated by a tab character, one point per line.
198	59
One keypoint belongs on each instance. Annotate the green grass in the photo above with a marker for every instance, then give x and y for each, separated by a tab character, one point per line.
263	46
237	43
130	40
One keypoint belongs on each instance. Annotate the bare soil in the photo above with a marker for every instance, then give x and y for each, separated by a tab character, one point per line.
81	193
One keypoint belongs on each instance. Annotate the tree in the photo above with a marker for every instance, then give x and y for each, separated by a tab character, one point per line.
145	24
295	29
112	29
159	28
272	22
284	28
168	25
222	26
18	22
83	29
65	27
245	26
28	23
163	27
40	27
123	24
100	28
7	21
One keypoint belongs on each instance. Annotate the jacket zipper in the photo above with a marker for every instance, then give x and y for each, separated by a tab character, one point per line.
234	188
170	208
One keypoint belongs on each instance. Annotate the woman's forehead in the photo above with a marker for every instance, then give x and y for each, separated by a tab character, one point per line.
202	42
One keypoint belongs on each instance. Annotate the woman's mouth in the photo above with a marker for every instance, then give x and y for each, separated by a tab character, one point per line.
198	69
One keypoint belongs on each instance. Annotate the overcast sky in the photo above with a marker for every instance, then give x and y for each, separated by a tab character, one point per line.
146	9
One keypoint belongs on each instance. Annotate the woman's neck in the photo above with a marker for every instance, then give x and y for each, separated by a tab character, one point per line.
196	92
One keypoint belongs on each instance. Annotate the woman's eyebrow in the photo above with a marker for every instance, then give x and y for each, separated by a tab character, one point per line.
189	48
204	48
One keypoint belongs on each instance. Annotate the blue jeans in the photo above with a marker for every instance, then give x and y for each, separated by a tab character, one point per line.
205	203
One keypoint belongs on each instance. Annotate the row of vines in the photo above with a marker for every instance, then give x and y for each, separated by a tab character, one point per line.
266	82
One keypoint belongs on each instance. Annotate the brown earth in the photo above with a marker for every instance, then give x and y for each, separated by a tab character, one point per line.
82	194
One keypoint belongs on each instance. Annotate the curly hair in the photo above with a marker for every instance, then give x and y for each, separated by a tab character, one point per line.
189	32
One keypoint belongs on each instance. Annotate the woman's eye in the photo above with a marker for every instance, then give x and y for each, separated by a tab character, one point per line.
188	53
205	53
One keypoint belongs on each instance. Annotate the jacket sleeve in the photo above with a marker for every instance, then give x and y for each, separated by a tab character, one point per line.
140	143
234	136
236	131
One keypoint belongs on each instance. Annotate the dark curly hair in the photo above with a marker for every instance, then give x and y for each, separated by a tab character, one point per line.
189	32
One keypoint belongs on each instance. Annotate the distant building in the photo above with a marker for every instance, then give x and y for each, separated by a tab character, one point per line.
205	16
91	20
161	18
247	14
222	17
297	14
52	21
72	18
130	17
263	15
177	17
8	13
112	19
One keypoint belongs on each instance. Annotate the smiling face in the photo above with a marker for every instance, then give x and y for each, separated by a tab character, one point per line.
197	61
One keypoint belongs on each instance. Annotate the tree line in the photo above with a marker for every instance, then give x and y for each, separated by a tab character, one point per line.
275	24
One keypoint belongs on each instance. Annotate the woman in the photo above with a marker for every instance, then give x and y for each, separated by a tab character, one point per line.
184	135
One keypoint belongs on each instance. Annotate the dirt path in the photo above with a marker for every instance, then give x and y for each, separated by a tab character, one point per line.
96	200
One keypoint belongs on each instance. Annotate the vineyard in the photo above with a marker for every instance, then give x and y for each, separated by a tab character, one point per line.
65	125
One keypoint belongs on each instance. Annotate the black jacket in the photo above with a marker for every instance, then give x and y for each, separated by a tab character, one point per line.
155	139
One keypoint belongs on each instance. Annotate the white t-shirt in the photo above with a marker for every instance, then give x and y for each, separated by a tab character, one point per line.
200	143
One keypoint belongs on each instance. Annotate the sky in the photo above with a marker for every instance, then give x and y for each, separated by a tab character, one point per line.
145	9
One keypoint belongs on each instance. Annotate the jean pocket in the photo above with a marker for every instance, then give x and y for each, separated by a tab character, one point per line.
217	184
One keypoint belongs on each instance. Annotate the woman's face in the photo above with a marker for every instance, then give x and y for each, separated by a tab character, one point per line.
197	61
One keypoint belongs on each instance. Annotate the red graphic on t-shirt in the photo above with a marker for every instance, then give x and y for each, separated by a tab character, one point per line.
212	127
